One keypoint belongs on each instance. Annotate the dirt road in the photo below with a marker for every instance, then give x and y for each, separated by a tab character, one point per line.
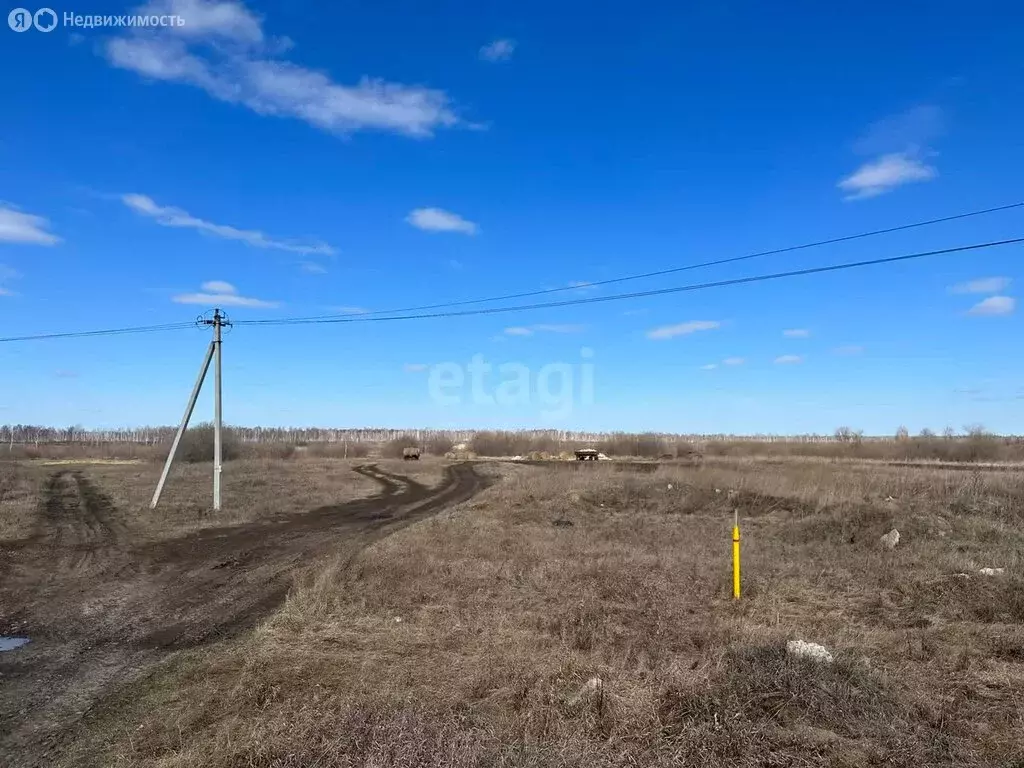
102	604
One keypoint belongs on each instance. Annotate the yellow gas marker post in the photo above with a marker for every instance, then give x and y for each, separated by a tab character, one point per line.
736	555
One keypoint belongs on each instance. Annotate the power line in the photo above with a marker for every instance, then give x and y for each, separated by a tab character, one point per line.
525	307
640	294
672	270
108	332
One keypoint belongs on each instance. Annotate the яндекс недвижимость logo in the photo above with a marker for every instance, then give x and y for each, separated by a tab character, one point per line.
22	19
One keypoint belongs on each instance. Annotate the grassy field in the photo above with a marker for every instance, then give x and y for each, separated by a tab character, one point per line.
580	616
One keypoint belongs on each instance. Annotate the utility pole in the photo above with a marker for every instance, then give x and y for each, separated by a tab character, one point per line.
213	351
217	417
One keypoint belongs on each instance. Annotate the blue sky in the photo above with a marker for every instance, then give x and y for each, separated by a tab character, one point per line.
289	159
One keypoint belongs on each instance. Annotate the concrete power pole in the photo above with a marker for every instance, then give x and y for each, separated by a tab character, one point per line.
213	353
217	467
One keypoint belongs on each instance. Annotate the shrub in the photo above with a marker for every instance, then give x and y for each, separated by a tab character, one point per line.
439	445
268	450
197	445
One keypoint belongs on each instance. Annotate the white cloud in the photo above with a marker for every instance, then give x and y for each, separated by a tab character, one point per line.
350	310
439	220
733	361
498	50
788	359
220	293
994	305
709	367
312	268
223	50
218	286
796	333
19	227
682	329
414	367
849	350
884	174
529	330
983	285
169	216
227	19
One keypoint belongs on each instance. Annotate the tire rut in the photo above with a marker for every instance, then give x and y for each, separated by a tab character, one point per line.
76	521
171	595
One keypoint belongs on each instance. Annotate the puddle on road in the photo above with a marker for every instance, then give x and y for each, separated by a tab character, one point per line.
10	643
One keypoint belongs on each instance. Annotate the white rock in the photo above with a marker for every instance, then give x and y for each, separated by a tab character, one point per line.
992	571
808	651
670	486
590	691
398	619
961	576
891	539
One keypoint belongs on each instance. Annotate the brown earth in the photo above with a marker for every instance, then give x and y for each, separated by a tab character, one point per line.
102	602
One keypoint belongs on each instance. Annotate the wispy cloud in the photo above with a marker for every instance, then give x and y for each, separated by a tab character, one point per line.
733	361
223	50
788	359
498	50
983	285
884	174
7	274
994	305
529	330
414	367
796	333
849	350
915	127
440	220
897	145
682	329
350	310
709	367
168	216
19	227
219	293
312	268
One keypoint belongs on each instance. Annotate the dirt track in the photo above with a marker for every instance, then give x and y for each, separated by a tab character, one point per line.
100	605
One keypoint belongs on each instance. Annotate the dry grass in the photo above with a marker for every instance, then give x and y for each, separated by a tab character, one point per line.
469	639
19	492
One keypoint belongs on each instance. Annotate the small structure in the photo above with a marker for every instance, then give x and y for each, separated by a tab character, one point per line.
411	454
587	454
